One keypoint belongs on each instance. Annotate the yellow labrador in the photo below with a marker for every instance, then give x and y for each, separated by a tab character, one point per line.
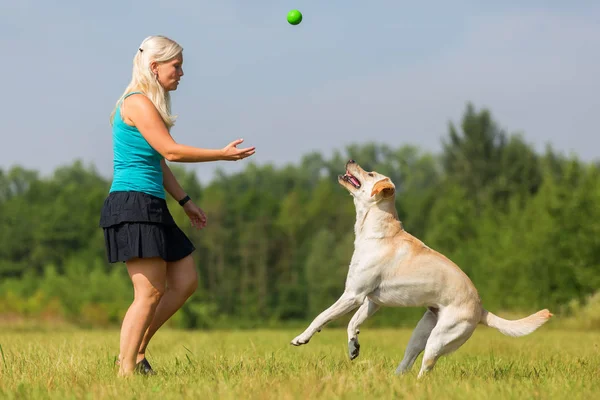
390	267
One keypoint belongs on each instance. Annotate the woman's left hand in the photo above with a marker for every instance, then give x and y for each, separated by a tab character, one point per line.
197	216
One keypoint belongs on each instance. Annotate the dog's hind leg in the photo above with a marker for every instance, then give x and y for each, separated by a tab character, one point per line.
367	309
417	341
447	336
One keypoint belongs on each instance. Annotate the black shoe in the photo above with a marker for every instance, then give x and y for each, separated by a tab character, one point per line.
144	368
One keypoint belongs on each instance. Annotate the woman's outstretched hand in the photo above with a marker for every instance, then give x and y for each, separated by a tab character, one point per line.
232	153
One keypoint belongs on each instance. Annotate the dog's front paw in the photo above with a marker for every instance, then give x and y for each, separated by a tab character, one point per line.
300	340
353	348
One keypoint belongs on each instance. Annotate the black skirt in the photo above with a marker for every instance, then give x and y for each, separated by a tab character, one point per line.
139	225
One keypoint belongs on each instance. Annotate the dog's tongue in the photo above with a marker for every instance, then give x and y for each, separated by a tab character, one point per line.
353	179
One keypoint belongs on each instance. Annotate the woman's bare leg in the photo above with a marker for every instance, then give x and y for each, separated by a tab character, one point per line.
182	281
149	278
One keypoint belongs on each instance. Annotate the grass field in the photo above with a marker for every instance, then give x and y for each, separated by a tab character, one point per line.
548	364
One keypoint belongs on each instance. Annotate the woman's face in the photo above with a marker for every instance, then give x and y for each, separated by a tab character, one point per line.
169	73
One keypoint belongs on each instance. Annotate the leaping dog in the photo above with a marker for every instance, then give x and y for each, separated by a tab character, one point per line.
392	268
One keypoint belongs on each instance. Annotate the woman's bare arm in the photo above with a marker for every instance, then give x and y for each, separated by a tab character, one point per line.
170	182
143	115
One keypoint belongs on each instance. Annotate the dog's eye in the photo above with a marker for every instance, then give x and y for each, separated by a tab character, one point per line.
370	174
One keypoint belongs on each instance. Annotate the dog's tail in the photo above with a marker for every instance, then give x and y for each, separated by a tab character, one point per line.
519	327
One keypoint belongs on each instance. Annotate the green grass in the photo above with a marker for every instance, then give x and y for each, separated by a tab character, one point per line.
548	364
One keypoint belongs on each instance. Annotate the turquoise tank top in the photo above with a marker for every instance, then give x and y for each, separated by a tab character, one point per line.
136	165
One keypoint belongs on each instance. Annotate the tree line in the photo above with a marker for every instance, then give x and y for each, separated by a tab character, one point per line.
524	225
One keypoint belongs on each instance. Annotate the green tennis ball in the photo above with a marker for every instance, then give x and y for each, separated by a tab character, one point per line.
294	17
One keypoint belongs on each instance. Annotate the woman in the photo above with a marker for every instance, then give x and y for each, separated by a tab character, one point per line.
138	228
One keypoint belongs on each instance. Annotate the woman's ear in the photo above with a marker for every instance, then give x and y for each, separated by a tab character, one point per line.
154	67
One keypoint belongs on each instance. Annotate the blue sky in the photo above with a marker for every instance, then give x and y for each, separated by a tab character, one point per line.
395	72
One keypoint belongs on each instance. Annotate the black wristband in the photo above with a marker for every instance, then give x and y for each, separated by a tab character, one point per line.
184	200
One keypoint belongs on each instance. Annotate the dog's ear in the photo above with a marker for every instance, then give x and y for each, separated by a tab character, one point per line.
385	186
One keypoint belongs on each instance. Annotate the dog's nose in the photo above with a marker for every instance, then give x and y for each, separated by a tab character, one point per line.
351	161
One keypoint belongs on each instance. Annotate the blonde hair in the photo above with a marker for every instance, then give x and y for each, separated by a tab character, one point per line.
153	49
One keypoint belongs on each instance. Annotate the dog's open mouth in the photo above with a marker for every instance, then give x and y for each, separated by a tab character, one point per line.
348	177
